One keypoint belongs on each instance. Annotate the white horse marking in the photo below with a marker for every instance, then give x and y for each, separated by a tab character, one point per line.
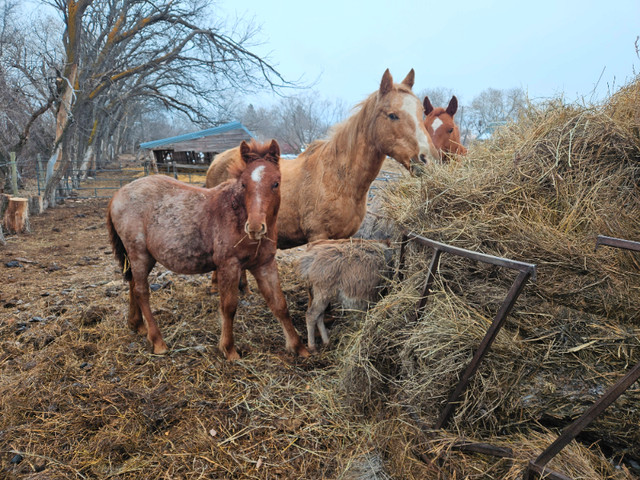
256	175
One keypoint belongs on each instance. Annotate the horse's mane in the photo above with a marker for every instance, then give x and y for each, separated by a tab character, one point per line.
256	151
341	138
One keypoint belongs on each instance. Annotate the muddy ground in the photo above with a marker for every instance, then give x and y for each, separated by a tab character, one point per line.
81	396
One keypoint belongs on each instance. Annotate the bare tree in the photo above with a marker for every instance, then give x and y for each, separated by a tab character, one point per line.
493	107
119	52
27	93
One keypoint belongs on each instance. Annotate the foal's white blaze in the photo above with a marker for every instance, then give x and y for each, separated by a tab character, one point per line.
412	106
256	175
436	124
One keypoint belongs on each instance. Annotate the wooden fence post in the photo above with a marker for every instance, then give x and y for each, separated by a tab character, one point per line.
14	173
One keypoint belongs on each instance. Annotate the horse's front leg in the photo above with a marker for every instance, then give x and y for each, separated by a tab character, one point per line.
243	284
228	278
269	284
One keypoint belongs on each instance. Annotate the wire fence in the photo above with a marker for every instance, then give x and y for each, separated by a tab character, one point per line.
104	182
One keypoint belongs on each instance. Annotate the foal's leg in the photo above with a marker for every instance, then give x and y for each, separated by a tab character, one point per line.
269	285
315	317
140	268
228	276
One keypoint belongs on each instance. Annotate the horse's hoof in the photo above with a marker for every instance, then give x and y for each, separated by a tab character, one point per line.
302	351
160	349
213	290
232	355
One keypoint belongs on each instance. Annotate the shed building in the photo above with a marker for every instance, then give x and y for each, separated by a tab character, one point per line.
198	148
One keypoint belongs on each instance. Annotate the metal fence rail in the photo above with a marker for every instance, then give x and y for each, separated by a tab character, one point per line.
526	271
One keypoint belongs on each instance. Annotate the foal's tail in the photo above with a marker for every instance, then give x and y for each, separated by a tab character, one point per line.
118	247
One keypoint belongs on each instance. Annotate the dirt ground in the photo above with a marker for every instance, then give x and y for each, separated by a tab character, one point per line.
81	395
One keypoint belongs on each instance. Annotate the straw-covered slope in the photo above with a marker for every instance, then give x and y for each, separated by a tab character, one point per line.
540	191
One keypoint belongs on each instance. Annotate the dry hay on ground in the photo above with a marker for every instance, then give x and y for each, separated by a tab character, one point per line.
539	191
82	397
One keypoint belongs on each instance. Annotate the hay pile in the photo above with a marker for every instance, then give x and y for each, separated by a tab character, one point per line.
539	191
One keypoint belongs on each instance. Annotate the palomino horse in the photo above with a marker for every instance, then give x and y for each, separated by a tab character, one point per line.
324	190
193	230
442	129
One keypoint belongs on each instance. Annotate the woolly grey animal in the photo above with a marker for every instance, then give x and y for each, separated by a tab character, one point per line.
348	271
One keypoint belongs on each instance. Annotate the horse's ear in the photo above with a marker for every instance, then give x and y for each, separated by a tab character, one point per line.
453	106
409	79
244	150
387	83
274	151
428	108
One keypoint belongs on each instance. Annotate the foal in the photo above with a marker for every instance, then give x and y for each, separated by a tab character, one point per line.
193	230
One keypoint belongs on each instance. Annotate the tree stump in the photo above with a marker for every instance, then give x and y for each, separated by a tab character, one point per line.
16	217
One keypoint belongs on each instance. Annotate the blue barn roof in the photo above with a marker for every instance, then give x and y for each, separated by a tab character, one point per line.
187	137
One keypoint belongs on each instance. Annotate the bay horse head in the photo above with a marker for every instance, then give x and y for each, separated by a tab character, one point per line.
398	127
258	174
441	127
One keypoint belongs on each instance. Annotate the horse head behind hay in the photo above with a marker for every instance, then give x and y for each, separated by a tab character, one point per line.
442	128
194	230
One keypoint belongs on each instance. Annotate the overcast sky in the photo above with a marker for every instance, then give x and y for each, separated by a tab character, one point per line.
546	47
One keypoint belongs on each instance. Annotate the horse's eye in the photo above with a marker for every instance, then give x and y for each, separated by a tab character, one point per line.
243	185
275	185
393	116
450	130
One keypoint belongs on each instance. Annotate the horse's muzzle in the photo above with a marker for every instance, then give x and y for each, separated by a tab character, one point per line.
253	233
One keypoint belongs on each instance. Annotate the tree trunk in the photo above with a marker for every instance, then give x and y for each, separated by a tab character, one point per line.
35	205
86	162
16	218
62	123
4	201
2	240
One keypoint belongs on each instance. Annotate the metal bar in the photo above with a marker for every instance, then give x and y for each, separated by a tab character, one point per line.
483	348
534	472
403	251
484	448
481	257
429	281
618	243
